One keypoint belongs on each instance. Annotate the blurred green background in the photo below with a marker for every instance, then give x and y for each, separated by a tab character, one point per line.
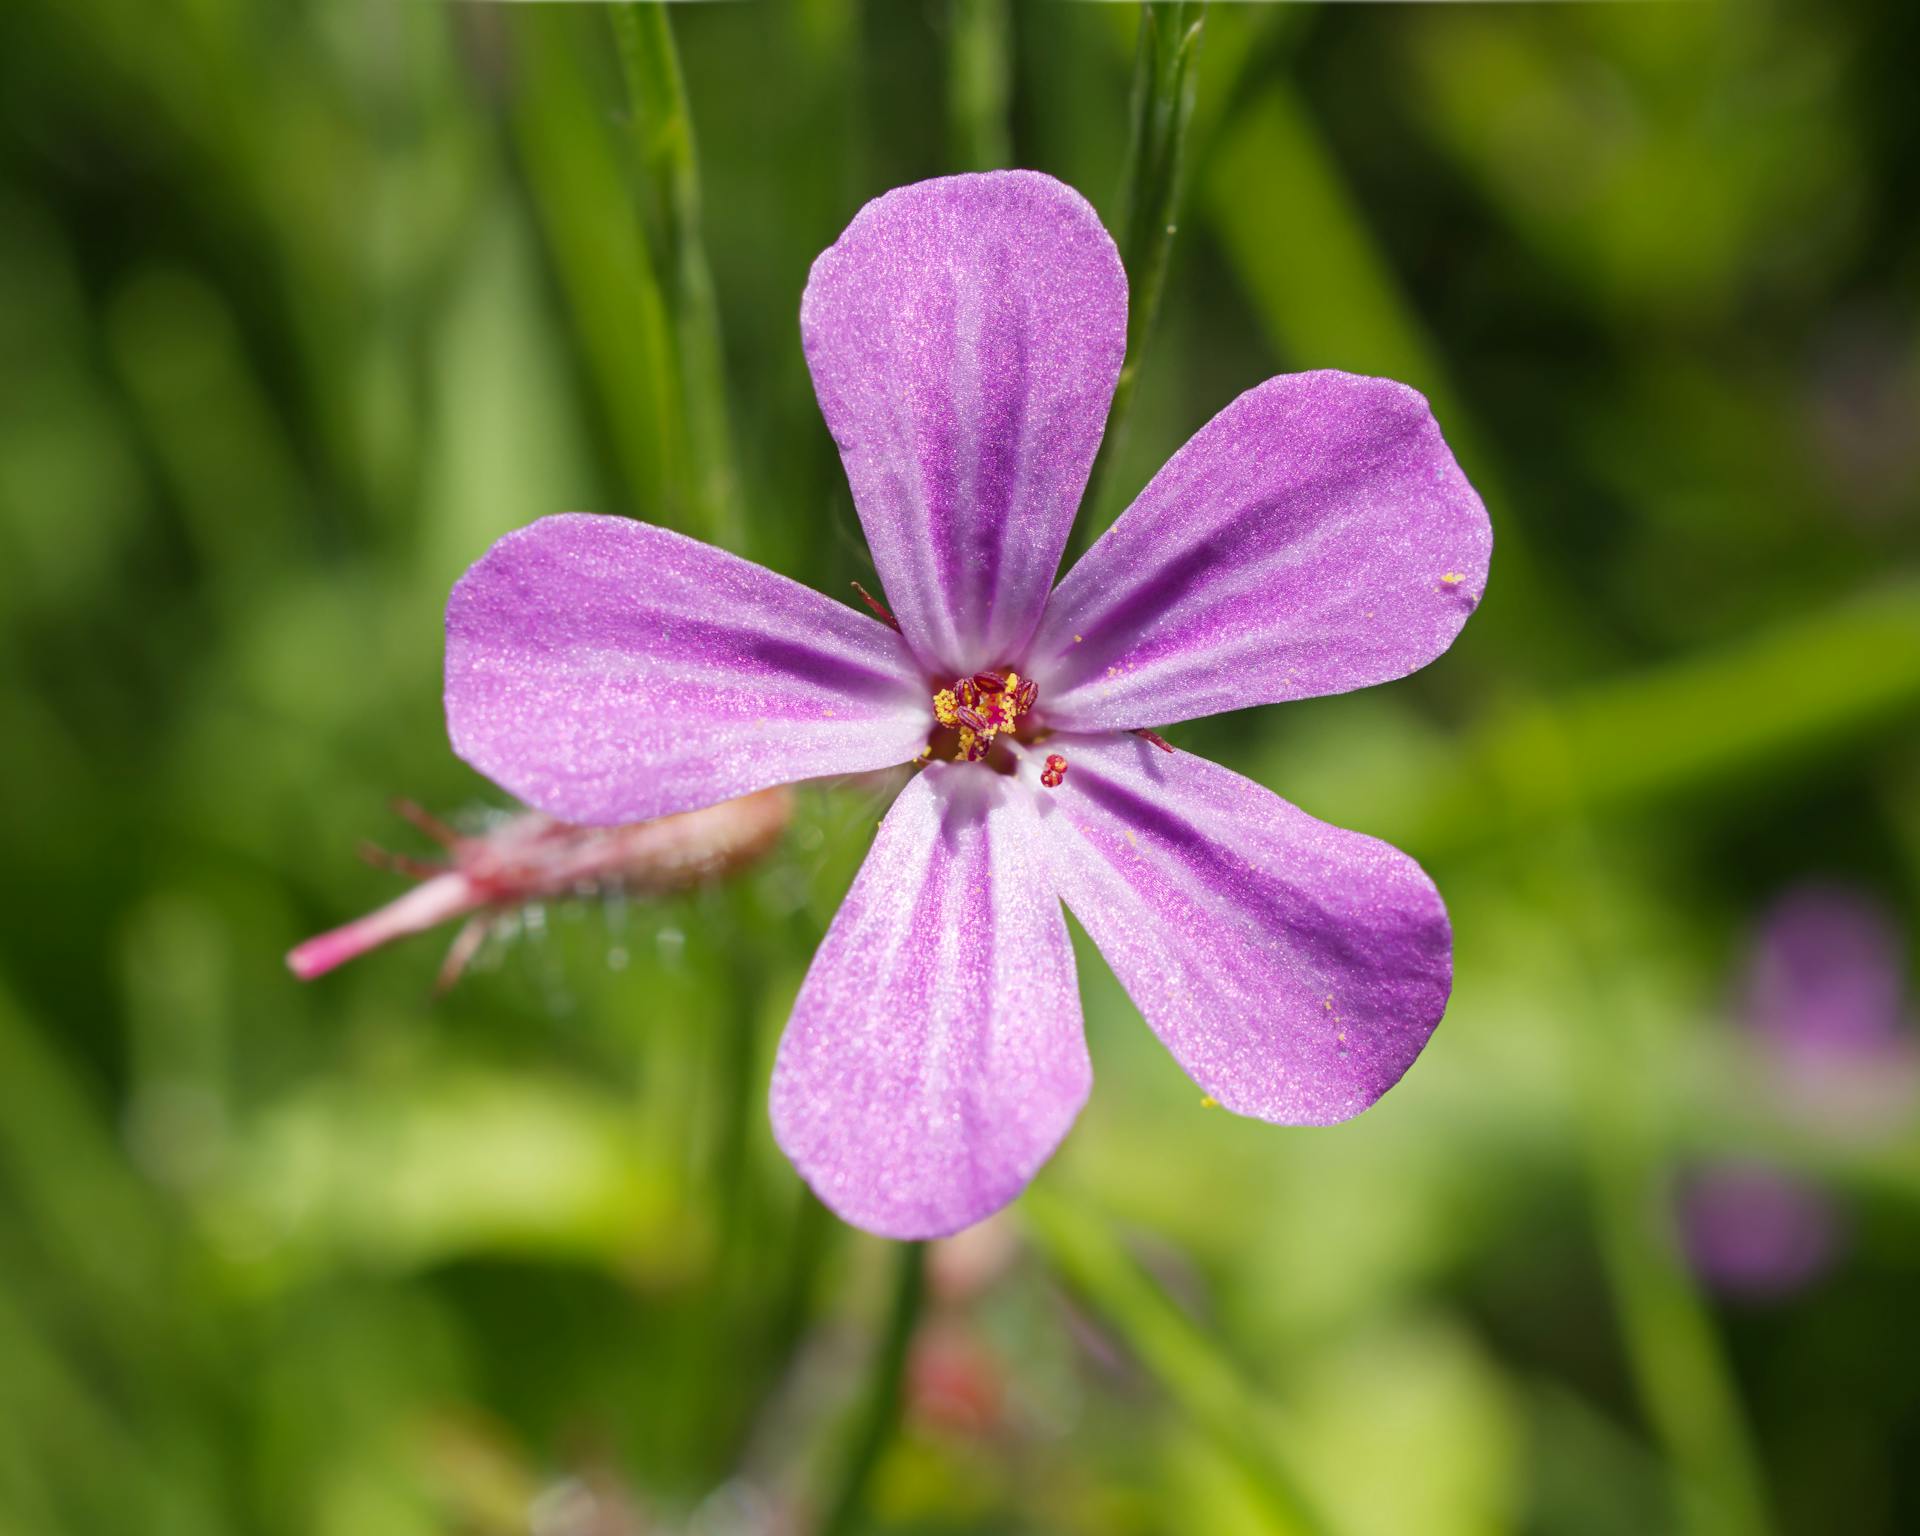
302	304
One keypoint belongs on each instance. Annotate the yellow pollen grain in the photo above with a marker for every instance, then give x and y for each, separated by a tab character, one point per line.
1208	1101
945	707
1453	578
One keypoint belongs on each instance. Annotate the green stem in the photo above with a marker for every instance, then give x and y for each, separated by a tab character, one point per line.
880	1413
619	312
1677	1362
1685	1383
1165	72
802	1247
979	84
740	1096
669	196
1188	1364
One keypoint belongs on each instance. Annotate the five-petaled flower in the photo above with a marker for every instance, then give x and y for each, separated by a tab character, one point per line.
964	337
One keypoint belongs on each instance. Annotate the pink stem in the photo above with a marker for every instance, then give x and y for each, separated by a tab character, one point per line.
427	905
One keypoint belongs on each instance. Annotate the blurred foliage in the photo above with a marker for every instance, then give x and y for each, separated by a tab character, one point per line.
303	302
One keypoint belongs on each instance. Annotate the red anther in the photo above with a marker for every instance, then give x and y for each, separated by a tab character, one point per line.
1024	696
1155	737
972	720
989	682
967	695
879	608
1055	772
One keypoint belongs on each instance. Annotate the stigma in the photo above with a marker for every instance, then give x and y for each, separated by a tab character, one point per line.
981	707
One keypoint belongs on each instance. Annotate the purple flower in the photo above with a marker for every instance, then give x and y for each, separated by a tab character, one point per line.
1758	1232
964	337
1827	980
1825	999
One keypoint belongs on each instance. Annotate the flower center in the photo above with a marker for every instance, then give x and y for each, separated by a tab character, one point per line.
981	707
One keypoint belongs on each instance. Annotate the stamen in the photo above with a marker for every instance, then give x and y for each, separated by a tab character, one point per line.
879	608
1055	772
980	707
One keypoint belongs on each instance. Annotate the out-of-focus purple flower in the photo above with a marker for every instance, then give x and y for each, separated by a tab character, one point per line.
1757	1232
1828	975
964	337
1826	995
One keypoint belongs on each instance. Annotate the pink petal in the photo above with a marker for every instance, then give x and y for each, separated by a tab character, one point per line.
964	336
1314	537
607	671
1294	970
935	1059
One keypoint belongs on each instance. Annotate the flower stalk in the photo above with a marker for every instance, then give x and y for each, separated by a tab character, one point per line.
1165	76
980	84
879	1414
667	162
1679	1365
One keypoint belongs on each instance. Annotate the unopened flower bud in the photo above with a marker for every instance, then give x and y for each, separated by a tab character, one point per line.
530	857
